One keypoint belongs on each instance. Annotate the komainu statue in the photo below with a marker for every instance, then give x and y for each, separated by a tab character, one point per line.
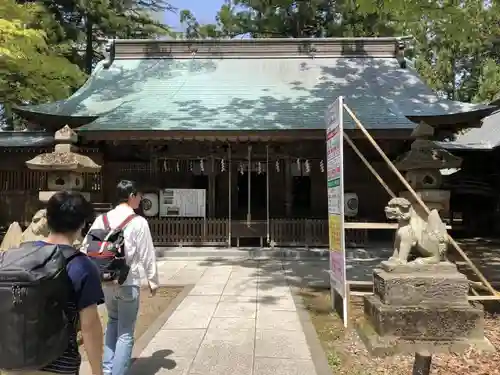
38	229
426	239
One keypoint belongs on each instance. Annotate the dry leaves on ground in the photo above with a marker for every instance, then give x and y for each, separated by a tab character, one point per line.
347	355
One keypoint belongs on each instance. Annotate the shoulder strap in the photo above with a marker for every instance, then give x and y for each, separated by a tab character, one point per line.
106	221
126	221
111	232
69	253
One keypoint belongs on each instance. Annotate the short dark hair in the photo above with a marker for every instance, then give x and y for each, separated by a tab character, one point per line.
125	189
67	211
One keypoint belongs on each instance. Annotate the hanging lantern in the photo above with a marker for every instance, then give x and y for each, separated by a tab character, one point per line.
177	166
277	166
190	165
222	166
202	166
241	169
298	164
307	166
322	166
165	167
259	168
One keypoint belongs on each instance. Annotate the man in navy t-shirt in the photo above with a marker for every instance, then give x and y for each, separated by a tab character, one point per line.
66	216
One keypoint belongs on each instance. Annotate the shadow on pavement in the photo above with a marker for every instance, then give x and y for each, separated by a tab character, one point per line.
153	364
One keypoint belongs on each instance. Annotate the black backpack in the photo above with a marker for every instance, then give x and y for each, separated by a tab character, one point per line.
34	293
106	248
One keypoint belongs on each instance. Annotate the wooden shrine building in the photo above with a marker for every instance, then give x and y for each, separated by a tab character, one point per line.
242	120
475	198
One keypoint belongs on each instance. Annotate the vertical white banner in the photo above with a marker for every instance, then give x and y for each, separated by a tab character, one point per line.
335	183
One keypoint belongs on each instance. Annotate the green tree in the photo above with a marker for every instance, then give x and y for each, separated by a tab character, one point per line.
79	29
489	82
456	47
194	30
301	19
29	71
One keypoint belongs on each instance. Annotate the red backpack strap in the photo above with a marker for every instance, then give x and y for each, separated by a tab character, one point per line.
126	221
106	221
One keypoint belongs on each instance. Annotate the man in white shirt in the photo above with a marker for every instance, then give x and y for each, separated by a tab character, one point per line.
122	301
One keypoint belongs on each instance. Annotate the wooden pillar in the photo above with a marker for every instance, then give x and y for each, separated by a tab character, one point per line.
230	198
268	223
249	181
319	192
288	187
233	185
212	174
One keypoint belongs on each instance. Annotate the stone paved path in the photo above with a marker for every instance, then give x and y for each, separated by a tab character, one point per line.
239	319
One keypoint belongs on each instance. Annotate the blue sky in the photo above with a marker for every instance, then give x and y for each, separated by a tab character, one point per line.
203	10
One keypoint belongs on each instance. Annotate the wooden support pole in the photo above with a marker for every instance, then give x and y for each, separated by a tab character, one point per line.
422	364
288	188
484	298
211	187
477	285
230	173
417	198
267	197
249	211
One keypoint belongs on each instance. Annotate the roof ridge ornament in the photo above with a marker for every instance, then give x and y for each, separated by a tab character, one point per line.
193	50
108	51
400	53
308	47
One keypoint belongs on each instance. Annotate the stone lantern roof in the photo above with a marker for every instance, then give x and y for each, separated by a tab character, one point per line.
64	157
425	153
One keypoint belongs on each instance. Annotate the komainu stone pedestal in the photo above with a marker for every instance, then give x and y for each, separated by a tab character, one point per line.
421	309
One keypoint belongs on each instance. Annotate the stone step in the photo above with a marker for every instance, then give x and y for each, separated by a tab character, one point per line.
242	252
372	255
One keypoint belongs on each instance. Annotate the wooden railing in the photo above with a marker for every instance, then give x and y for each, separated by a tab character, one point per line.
19	193
22	180
282	232
189	231
310	232
18	206
298	232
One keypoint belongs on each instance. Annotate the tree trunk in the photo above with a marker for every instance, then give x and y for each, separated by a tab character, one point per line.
89	46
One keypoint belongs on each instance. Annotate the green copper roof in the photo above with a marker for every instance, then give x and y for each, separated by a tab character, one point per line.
249	94
25	139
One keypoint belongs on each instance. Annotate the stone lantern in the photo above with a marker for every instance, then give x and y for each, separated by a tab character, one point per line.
64	166
421	167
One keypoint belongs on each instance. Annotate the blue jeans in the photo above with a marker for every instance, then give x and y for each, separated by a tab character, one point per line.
122	303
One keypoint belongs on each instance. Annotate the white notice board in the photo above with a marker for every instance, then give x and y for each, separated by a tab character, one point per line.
183	203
